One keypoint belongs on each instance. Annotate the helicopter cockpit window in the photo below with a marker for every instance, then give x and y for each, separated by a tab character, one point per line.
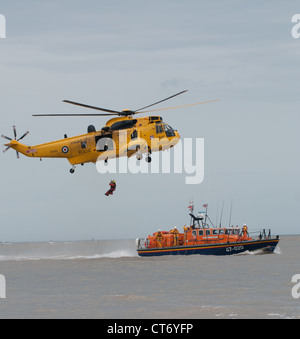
159	129
169	130
84	144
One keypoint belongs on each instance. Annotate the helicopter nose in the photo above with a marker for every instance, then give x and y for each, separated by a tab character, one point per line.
175	139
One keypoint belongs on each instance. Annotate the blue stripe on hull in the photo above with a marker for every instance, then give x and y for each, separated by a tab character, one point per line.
217	249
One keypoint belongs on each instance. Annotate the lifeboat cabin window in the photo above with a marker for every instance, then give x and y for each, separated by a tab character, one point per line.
194	233
221	231
215	232
233	231
207	232
201	232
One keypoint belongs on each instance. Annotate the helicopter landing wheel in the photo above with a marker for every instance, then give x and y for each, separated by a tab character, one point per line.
139	156
148	159
72	170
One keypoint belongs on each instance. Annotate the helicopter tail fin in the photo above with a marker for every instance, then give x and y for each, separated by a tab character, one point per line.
18	147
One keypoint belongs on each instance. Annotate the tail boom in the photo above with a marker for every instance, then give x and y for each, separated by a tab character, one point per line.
39	151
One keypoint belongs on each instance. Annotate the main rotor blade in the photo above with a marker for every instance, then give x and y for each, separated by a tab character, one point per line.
92	107
158	102
161	109
15	132
23	136
74	115
5	137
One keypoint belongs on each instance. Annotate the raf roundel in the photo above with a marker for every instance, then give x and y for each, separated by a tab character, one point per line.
65	149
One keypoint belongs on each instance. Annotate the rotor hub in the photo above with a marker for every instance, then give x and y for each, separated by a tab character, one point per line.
127	112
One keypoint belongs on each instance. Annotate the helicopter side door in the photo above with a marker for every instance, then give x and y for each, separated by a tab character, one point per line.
104	143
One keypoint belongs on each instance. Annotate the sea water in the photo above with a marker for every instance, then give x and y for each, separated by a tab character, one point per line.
107	280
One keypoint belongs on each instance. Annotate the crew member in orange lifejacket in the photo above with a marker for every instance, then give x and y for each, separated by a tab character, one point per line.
159	238
245	231
113	186
185	230
175	233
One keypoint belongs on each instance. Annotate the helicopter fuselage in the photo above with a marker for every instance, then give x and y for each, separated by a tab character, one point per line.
123	136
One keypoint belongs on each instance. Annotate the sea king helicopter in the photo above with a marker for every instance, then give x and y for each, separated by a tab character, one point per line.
125	135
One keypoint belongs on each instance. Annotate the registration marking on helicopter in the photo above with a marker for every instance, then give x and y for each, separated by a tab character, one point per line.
83	151
31	150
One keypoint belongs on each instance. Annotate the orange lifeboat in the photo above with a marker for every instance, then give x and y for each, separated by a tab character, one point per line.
199	238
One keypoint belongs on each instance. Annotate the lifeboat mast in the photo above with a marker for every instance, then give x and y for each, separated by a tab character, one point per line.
197	222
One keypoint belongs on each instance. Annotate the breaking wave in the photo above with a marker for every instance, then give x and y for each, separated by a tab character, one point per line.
67	251
260	252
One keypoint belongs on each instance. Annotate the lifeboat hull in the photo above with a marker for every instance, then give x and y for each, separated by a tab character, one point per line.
213	249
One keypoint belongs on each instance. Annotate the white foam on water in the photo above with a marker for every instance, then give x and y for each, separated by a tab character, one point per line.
261	252
277	250
64	251
257	252
116	254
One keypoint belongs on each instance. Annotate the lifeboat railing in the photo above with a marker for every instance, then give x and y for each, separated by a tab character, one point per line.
141	243
264	234
144	243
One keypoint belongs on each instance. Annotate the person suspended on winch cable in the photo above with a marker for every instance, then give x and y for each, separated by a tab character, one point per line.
113	187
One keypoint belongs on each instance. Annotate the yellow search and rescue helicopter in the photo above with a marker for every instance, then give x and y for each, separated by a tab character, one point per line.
122	136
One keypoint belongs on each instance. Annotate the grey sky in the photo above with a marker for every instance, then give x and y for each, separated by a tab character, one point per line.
128	54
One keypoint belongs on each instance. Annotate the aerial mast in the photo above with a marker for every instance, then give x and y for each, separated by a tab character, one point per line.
191	208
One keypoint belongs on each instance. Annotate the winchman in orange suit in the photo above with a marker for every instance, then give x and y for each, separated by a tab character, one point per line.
159	238
113	186
175	233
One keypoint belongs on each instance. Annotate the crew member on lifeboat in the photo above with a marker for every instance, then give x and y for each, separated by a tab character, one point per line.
175	233
185	229
245	231
159	238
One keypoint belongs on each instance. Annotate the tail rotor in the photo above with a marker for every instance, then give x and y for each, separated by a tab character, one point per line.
10	139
